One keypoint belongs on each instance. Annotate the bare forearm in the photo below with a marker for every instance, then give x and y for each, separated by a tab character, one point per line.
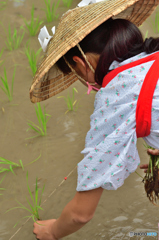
77	212
67	223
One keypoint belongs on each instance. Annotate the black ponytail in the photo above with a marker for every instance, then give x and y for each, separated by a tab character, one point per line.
151	45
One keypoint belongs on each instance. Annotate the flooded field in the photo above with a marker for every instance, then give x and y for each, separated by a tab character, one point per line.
119	212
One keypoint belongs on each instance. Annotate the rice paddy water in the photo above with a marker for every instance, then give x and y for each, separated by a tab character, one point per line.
119	212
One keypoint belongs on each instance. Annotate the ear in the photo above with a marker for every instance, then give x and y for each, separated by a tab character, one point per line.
81	67
78	60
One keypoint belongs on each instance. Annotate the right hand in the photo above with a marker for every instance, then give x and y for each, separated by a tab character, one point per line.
43	230
149	151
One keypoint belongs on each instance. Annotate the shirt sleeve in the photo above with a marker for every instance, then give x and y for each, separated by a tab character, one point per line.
109	163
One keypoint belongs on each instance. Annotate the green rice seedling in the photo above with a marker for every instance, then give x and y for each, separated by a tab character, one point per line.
34	204
34	24
155	23
32	58
33	161
13	165
42	119
70	100
50	11
14	38
3	4
5	88
67	3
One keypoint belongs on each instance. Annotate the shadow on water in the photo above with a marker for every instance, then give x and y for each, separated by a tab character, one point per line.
119	212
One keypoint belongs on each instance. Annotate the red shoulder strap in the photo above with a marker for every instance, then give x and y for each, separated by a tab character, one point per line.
144	103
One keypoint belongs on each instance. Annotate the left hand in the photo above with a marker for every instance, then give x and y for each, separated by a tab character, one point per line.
149	151
44	230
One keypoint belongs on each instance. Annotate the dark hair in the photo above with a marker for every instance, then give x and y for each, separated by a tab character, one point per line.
117	39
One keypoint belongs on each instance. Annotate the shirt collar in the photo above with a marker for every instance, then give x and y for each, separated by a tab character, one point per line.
116	64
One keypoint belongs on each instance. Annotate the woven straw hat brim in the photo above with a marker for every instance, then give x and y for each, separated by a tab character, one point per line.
74	26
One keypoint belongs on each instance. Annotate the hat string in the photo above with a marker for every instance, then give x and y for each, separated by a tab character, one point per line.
69	65
90	85
90	66
73	70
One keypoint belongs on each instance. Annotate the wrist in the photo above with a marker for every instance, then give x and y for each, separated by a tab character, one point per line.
54	237
53	231
51	228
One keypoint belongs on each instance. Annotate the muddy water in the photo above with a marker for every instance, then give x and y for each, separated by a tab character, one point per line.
118	212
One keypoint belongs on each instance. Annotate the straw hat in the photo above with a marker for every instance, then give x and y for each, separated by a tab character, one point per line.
74	26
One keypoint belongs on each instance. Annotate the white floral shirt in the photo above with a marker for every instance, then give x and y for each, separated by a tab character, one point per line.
110	153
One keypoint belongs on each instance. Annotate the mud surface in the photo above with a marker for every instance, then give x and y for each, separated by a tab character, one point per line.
118	212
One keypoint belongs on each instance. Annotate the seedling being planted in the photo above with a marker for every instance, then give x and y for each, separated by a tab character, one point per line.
70	100
67	3
34	24
151	179
14	38
51	10
42	119
5	88
32	58
34	204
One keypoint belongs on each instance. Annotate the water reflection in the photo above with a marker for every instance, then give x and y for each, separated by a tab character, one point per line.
72	136
18	3
120	218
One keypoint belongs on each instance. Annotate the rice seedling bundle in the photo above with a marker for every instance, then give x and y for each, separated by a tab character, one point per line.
151	179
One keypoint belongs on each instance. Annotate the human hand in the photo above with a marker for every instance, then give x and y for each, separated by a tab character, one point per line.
44	230
149	151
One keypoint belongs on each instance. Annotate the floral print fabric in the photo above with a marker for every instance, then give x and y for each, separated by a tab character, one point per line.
110	153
